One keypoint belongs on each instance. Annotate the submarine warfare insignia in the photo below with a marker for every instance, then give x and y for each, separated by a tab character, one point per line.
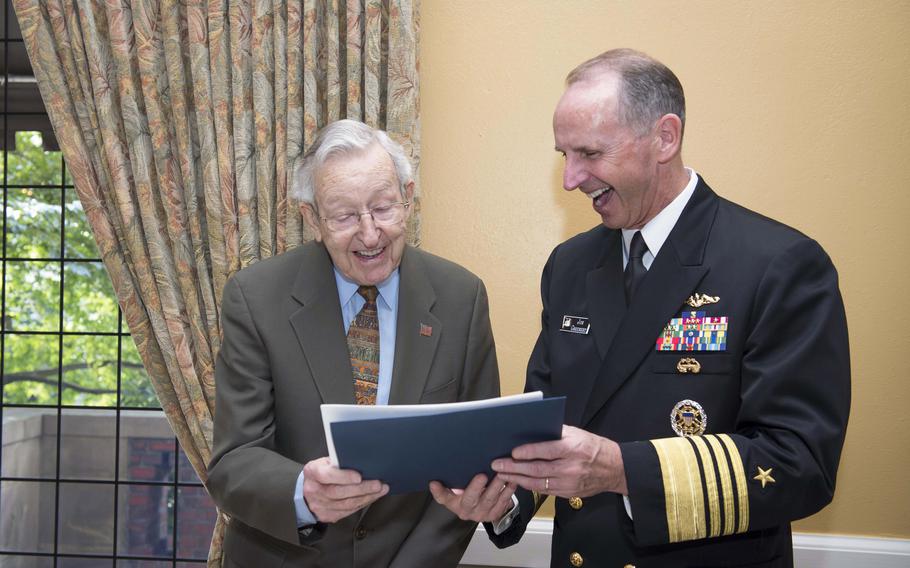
698	300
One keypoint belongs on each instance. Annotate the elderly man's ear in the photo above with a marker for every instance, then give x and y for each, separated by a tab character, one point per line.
409	197
311	219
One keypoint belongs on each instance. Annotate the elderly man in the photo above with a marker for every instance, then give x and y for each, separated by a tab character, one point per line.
355	316
702	349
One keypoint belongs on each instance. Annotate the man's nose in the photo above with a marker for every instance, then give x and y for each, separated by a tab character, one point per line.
367	229
572	174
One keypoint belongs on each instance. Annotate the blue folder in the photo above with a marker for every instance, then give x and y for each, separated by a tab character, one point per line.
452	447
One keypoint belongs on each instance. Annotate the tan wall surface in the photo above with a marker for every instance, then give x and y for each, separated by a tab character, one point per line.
798	110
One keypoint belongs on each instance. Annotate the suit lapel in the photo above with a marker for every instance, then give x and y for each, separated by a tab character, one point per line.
673	276
319	328
414	351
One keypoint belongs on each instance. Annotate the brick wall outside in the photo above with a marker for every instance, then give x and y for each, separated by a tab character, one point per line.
150	508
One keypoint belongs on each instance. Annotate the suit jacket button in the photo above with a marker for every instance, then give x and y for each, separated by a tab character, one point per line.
576	560
576	503
360	533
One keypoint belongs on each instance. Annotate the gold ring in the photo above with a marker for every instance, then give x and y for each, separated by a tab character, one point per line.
546	484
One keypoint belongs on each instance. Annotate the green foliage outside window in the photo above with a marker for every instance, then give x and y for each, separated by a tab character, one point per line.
40	368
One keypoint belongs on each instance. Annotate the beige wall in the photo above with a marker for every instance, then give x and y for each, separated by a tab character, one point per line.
799	110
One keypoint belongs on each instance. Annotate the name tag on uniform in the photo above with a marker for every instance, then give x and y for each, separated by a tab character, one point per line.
575	324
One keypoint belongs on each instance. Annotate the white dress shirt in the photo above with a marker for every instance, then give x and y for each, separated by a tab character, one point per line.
656	231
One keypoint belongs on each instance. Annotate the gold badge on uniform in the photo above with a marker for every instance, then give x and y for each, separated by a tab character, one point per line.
698	300
688	418
688	365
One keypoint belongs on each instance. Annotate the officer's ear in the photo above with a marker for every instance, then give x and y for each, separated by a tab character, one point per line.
668	131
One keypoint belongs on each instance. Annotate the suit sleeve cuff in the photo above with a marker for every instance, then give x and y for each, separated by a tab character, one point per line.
304	516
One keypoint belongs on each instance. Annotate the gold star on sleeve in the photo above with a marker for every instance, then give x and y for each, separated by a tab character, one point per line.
764	475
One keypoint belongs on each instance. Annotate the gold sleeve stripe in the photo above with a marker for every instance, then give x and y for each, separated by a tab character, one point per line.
667	474
707	462
739	473
683	493
726	484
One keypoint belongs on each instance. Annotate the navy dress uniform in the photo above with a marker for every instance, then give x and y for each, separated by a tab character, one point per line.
726	382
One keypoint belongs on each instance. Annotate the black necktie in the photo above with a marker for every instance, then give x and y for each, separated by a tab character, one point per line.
635	268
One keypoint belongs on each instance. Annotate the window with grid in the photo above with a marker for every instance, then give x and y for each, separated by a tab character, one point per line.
90	472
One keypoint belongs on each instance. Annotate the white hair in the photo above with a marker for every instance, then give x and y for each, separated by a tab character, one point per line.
345	137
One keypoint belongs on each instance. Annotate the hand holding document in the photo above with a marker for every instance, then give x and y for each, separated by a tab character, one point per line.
408	446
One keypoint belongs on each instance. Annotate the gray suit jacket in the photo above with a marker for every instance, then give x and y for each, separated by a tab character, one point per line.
283	354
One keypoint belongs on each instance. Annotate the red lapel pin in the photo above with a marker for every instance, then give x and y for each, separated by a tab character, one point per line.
426	330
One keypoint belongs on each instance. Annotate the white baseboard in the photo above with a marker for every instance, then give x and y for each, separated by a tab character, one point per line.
842	551
533	551
810	550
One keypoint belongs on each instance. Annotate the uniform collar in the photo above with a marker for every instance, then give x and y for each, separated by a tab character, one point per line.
656	231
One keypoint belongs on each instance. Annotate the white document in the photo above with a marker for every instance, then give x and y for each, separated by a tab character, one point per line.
332	413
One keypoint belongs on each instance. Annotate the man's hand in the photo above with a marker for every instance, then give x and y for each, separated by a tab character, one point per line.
580	464
332	494
479	501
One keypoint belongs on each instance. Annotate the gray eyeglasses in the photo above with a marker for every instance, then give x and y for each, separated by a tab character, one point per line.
383	215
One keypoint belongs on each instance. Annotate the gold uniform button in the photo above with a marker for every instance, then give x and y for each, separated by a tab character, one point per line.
629	566
576	560
576	503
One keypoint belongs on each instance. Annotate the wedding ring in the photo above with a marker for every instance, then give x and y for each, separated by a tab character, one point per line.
546	484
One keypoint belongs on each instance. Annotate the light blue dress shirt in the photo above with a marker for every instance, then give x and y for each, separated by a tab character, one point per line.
387	310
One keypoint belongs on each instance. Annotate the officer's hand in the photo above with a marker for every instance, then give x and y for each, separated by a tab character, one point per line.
578	465
332	494
480	501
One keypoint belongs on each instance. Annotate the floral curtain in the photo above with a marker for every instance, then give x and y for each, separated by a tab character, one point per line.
182	122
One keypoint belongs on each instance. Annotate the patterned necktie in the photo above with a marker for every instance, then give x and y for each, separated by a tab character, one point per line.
363	346
635	268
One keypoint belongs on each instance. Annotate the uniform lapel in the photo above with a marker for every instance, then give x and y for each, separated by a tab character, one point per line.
414	351
606	303
606	295
319	328
673	276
